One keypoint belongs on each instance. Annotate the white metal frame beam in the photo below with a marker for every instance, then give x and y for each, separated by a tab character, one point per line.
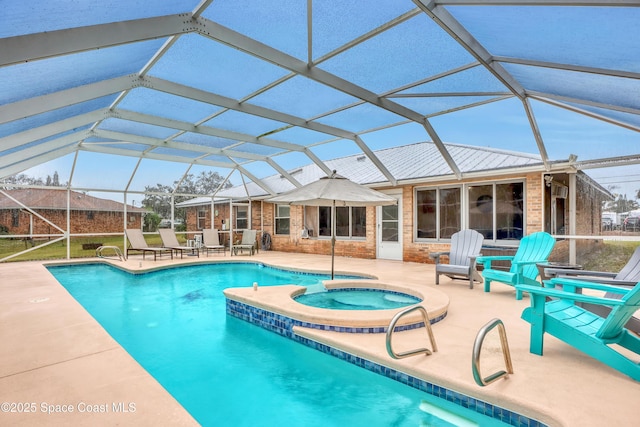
36	160
15	50
64	98
267	53
203	130
448	23
25	137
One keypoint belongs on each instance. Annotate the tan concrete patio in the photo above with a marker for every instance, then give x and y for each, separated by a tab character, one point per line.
54	353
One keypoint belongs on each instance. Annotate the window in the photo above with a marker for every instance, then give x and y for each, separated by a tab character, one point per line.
324	221
342	221
242	217
282	219
359	221
449	212
202	219
510	211
481	210
351	222
438	213
497	210
90	215
15	218
390	224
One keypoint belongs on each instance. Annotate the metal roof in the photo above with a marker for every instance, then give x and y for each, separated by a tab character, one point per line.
408	163
256	88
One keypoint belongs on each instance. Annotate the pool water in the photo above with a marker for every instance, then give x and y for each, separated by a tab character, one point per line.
225	371
357	299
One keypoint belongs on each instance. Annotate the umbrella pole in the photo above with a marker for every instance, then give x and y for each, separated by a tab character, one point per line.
333	235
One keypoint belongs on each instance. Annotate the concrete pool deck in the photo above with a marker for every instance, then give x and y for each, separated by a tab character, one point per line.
54	353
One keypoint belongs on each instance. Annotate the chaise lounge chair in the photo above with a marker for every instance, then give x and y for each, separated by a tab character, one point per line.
628	277
248	242
465	248
138	243
534	248
211	241
580	328
169	240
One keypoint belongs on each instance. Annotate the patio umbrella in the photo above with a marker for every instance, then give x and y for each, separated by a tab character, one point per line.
333	191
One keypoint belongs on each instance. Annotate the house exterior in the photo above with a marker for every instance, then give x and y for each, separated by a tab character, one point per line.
503	195
88	214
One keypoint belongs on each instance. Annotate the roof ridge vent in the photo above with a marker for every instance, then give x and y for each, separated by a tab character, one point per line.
361	158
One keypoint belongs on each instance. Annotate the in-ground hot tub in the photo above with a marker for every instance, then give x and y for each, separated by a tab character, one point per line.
357	299
279	306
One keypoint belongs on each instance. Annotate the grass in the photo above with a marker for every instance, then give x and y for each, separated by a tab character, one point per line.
58	250
611	256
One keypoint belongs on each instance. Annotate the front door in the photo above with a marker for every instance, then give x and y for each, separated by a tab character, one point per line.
389	230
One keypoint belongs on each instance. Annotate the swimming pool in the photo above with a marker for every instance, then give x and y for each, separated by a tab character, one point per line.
225	371
357	299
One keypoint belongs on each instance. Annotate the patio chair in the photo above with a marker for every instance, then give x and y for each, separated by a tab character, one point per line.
580	328
211	241
534	248
628	277
169	240
248	242
138	243
465	248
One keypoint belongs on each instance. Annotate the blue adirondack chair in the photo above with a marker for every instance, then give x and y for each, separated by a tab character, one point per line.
534	248
627	277
581	328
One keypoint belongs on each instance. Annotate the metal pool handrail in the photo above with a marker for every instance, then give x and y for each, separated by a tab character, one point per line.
477	347
427	325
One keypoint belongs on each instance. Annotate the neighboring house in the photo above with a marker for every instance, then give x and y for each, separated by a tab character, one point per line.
88	214
504	195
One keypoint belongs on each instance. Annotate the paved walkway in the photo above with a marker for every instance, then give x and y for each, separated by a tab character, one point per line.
54	353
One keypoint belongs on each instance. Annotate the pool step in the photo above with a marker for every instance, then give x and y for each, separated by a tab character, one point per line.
315	288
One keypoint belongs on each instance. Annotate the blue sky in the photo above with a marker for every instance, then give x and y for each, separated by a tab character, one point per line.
498	125
521	39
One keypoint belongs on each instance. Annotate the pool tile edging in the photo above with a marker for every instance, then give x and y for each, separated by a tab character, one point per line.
283	325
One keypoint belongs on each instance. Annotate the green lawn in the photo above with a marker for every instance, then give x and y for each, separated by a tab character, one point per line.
612	256
58	250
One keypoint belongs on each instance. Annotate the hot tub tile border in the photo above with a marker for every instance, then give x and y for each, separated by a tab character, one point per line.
280	324
283	325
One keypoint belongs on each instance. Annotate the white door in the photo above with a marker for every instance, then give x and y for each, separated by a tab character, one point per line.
389	227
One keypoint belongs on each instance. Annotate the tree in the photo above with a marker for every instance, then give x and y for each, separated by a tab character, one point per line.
22	179
205	183
53	181
151	221
622	204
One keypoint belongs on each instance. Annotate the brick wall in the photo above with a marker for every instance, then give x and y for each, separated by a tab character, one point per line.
588	219
588	222
295	243
81	221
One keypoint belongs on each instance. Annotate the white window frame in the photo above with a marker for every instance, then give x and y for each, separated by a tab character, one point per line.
437	189
278	217
201	218
465	206
351	225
